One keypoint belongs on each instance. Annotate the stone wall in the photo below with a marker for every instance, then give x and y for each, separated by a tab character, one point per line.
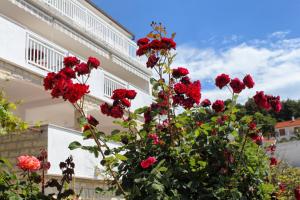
30	142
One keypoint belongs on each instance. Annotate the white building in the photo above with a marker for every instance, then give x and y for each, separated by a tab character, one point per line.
287	129
35	36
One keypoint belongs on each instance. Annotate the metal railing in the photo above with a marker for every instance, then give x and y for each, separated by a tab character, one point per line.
111	83
95	26
44	55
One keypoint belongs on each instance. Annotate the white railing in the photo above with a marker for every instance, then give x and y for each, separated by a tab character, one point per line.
44	55
95	26
111	83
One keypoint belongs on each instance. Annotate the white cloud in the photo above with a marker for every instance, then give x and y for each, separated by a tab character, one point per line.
275	66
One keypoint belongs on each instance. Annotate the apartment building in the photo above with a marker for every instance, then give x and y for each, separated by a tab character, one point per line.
35	36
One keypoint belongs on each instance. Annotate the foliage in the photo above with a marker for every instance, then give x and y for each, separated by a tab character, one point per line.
8	121
184	149
30	185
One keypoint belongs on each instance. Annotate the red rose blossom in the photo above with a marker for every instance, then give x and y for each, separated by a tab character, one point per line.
155	44
68	72
179	72
218	106
131	94
82	69
92	120
185	80
180	88
152	60
28	163
248	81
237	85
205	103
252	125
168	43
143	41
49	81
261	100
116	112
93	62
105	108
273	161
142	50
154	137
222	80
125	102
119	94
297	192
194	91
75	92
148	162
70	61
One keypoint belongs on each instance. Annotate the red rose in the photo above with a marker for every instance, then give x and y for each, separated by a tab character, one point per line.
258	139
185	80
70	61
92	120
28	163
105	108
148	162
274	102
116	112
237	85
154	137
222	80
152	60
142	50
76	92
155	44
68	72
282	187
248	81
178	99
61	87
180	88
143	41
261	100
218	106
49	80
125	102
93	62
188	103
179	72
297	193
252	125
119	94
147	116
82	69
273	161
168	43
205	103
194	92
130	94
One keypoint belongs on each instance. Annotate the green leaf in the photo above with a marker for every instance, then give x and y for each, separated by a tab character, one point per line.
121	157
74	145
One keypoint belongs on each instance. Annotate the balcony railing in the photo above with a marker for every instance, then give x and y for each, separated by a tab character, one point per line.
111	83
95	26
48	56
44	55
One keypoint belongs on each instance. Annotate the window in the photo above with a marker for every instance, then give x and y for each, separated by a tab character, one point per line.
282	132
297	130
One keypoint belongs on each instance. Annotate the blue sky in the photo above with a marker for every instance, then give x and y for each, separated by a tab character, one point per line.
261	37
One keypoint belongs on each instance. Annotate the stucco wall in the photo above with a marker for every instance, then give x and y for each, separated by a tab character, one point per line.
289	151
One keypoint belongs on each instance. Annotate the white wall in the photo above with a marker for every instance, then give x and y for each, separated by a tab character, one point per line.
289	151
142	99
289	132
58	142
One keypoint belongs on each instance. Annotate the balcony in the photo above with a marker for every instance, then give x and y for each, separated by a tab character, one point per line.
40	56
96	27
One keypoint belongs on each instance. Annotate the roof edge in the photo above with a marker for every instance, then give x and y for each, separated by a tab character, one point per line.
110	17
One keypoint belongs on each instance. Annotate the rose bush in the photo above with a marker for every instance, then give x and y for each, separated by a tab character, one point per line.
184	149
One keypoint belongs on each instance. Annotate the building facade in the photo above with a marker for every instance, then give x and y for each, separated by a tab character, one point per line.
288	129
35	37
